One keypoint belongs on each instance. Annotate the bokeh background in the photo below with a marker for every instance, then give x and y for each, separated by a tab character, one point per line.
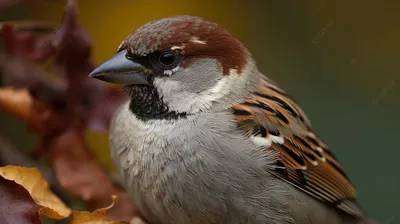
339	59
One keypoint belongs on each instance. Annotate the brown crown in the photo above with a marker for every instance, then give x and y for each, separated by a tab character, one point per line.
191	36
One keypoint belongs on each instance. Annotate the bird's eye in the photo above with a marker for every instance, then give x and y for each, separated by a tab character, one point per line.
167	58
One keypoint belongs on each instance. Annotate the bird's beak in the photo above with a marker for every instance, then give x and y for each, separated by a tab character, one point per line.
120	70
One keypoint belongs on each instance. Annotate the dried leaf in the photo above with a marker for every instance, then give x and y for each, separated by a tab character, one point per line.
16	102
98	216
38	188
17	206
26	194
67	153
70	47
21	104
81	175
62	110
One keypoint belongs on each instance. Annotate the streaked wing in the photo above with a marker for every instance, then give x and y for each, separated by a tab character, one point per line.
274	121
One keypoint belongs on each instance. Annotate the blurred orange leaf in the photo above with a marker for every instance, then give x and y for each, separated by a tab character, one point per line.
16	102
19	103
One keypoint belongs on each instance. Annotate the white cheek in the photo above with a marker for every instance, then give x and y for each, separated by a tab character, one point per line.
221	89
218	87
167	87
181	100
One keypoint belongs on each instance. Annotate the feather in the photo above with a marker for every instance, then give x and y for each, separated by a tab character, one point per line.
275	122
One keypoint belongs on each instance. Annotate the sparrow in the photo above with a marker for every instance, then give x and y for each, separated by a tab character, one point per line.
206	138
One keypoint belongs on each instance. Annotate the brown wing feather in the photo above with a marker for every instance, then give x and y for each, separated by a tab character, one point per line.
304	160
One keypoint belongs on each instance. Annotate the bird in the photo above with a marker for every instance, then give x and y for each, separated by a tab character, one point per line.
205	137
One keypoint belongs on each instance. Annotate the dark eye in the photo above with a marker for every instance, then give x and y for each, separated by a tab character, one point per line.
167	58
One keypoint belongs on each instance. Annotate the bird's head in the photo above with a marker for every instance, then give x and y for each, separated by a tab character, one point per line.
181	65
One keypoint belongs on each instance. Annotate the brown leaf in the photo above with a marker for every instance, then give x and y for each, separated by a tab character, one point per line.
38	188
17	206
61	110
81	175
70	45
25	194
75	168
66	52
98	216
26	44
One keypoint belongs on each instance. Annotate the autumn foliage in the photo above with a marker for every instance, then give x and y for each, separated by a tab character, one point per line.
45	84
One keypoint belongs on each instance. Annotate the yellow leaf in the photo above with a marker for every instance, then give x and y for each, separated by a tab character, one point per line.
52	206
38	188
98	216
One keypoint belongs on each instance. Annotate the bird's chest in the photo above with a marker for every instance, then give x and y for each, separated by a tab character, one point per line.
151	153
152	159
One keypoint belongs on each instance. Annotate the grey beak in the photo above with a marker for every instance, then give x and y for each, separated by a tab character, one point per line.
120	70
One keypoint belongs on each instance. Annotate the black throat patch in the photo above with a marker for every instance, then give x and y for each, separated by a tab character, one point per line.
146	104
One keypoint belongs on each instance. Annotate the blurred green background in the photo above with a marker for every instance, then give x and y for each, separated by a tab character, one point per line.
339	59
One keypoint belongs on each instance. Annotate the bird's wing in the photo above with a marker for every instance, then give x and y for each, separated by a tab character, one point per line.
275	122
